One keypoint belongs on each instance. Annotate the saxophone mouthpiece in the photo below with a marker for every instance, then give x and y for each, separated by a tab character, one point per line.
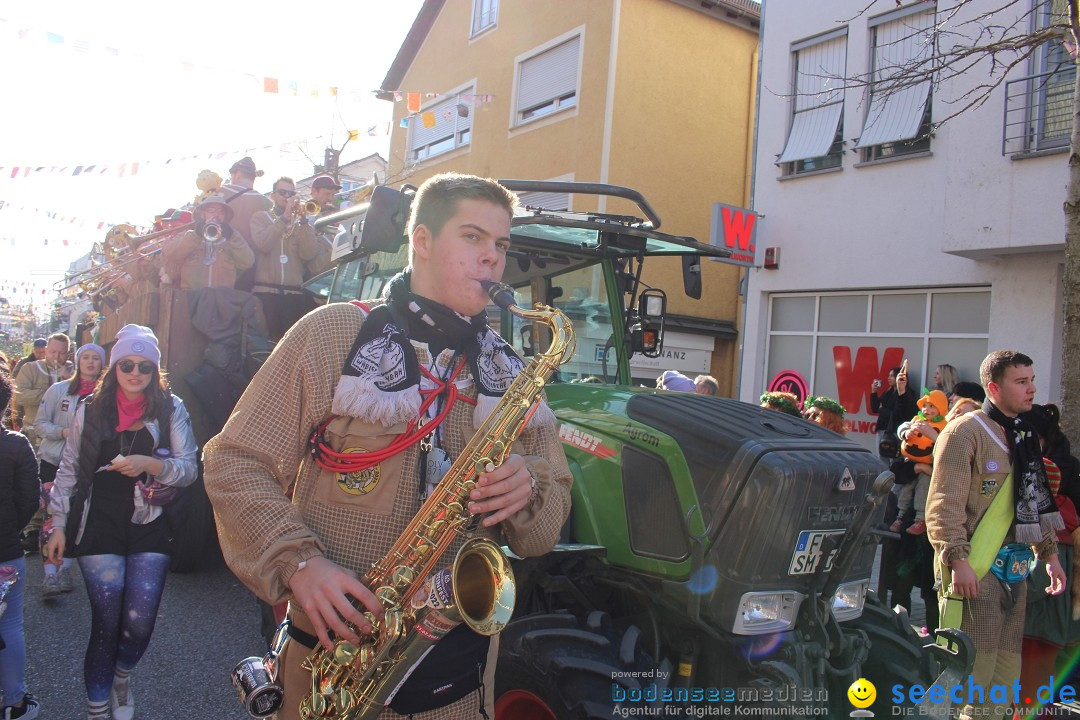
500	294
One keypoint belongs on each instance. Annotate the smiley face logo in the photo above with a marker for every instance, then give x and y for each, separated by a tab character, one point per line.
862	693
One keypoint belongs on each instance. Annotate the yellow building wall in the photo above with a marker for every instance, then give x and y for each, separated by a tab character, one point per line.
680	124
682	130
569	141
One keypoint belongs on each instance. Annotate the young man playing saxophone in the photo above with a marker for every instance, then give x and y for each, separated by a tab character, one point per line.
362	389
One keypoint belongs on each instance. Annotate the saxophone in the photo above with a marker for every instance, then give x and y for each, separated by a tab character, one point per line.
356	681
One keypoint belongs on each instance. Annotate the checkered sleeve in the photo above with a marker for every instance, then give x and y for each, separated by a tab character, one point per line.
535	529
950	486
250	465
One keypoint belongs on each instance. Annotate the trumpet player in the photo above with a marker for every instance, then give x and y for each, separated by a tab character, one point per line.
323	192
246	202
362	370
211	254
285	241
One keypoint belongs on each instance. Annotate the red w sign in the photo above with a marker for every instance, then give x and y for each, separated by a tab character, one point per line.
734	228
853	379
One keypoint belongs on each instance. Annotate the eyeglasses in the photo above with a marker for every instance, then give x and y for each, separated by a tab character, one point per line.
145	367
285	193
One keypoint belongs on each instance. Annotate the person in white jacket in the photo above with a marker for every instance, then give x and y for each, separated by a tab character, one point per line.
110	496
52	425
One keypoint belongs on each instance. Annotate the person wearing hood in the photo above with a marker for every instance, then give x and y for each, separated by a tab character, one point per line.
675	381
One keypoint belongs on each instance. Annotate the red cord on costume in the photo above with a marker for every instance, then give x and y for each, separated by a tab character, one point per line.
345	463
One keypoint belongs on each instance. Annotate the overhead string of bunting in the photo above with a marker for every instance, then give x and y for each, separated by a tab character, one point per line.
132	168
263	83
414	102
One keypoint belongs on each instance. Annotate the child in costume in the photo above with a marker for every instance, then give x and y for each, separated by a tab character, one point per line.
917	445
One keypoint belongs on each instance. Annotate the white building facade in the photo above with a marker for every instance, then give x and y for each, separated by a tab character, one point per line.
892	238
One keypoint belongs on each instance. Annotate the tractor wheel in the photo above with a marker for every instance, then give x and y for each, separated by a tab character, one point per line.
557	667
896	653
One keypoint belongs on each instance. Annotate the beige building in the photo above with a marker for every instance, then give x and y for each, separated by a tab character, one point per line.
657	95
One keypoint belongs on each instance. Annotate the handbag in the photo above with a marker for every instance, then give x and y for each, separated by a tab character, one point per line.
1013	563
153	492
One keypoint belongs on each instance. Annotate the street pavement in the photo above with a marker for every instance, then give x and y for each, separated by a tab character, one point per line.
207	623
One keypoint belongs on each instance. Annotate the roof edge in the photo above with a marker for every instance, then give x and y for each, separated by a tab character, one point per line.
414	39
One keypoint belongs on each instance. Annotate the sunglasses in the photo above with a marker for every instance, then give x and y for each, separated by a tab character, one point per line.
145	367
285	193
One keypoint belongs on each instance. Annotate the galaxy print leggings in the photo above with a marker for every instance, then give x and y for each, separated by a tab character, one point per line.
124	595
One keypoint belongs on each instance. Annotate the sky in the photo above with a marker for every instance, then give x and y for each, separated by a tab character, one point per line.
110	84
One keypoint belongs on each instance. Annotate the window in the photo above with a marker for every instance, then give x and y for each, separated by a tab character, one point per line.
484	15
446	125
547	82
815	140
898	117
546	200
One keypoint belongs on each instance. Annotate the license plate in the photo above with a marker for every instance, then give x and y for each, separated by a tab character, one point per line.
808	553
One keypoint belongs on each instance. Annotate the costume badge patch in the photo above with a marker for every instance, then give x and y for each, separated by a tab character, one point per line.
991	466
360	482
989	487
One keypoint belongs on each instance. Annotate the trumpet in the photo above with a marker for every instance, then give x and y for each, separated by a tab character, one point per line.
212	235
212	232
311	207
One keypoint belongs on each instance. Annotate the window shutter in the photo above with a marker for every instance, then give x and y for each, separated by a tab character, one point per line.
546	200
819	99
549	75
895	113
448	121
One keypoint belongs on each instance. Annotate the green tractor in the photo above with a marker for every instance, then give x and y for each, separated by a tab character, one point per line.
718	555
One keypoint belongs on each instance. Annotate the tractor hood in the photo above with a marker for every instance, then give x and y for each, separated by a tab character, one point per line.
762	490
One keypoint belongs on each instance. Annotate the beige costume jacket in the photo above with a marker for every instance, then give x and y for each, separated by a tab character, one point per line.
971	461
353	519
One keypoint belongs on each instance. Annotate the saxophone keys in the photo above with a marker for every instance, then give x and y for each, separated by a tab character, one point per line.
388	596
367	653
455	507
344	652
344	701
402	576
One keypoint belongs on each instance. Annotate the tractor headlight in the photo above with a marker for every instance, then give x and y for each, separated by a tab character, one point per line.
767	612
848	601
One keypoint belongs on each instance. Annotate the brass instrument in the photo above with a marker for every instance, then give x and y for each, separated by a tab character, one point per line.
95	279
311	207
211	234
354	681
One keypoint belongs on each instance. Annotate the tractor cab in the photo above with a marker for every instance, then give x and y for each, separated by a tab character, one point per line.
588	264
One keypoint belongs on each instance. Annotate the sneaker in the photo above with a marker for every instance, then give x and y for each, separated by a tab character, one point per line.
25	711
896	525
917	528
50	587
121	701
65	579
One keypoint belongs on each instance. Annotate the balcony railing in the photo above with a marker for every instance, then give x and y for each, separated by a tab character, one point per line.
1039	111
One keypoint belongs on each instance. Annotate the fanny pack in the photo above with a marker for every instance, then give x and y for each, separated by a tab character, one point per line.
1014	562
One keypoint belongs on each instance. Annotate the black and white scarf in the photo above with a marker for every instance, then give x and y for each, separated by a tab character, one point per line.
1036	510
381	377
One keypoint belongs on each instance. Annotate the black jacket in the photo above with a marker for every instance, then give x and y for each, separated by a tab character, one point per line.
893	409
20	491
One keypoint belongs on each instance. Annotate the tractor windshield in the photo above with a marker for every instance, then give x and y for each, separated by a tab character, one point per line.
581	293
